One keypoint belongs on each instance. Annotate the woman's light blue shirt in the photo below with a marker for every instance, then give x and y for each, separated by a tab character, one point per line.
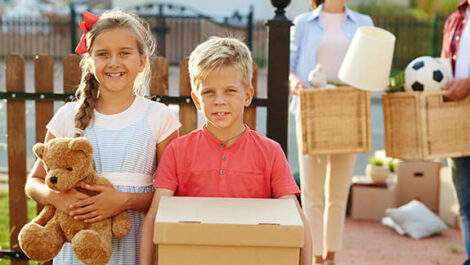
306	35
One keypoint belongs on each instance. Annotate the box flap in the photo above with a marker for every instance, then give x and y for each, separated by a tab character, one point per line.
229	222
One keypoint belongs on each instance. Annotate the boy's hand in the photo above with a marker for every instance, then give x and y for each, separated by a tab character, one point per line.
457	89
107	203
62	200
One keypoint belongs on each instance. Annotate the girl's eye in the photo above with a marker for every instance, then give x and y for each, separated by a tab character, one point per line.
102	54
125	53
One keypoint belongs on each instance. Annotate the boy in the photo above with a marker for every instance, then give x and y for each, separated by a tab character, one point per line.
225	158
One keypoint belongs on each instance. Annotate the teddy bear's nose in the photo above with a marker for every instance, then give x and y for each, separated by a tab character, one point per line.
54	180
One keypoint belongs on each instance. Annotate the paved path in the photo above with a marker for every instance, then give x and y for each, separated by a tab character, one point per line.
370	243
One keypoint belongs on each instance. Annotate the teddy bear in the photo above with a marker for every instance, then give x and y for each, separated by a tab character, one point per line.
317	78
68	161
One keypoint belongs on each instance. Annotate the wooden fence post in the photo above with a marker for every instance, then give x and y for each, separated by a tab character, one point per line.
72	73
187	113
16	122
249	115
159	77
44	110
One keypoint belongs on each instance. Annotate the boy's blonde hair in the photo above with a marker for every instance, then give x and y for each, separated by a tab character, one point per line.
216	53
87	92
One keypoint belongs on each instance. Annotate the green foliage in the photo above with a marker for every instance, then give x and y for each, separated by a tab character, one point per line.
372	8
375	161
448	6
453	249
5	223
391	164
397	82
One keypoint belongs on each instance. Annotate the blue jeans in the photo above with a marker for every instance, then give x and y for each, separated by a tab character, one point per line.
461	176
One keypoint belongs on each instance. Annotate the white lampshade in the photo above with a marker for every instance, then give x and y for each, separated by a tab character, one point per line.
368	61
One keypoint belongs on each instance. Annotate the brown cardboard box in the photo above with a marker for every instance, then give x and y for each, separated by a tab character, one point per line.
448	203
229	231
369	202
418	180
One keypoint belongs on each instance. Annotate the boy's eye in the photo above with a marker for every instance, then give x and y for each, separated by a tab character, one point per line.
207	92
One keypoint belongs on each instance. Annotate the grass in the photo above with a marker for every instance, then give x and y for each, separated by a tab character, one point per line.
5	223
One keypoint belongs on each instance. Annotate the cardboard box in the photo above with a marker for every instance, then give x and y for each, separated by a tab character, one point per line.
424	126
214	231
418	180
369	202
448	203
335	121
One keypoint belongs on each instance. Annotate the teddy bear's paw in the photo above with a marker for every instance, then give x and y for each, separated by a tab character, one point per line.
40	243
121	224
91	247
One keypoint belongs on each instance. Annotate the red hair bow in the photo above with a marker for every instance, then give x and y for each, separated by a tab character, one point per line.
89	20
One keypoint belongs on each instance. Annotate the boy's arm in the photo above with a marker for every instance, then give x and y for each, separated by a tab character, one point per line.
306	251
147	247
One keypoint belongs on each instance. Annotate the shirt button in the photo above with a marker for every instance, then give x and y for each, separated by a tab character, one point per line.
224	157
457	38
222	172
454	57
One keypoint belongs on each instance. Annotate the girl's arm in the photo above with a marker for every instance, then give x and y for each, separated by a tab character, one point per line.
109	201
306	251
147	251
38	190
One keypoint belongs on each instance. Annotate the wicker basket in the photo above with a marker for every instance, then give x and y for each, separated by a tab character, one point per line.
423	126
335	121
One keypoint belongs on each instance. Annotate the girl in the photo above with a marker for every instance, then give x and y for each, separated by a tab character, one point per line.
322	37
128	132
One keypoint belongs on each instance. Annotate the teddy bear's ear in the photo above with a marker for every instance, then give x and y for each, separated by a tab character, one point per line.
81	144
38	150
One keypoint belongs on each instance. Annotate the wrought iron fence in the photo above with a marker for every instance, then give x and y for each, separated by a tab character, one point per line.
52	35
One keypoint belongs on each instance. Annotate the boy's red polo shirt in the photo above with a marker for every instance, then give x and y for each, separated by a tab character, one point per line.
198	164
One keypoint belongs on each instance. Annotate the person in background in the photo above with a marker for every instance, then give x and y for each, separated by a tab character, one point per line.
456	47
322	36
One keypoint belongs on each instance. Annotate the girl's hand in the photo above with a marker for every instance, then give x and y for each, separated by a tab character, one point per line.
62	200
107	203
457	89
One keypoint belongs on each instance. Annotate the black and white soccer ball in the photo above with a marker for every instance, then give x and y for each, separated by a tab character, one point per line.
427	74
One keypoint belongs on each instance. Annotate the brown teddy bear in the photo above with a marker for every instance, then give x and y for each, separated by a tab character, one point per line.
68	161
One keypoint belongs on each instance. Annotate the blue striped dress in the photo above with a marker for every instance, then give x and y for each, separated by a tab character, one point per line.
124	147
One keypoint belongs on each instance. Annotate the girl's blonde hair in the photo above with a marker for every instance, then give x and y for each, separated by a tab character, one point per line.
216	53
88	90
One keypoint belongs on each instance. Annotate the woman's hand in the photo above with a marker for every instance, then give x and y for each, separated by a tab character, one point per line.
296	85
457	89
108	202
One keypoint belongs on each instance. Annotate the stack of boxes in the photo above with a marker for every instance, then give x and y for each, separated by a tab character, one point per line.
416	180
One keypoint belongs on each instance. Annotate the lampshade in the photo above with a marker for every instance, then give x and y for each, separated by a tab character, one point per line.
368	60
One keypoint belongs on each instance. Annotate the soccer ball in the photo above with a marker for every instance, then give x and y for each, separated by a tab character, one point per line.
427	74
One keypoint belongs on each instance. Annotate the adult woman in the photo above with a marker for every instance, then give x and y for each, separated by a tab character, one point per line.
322	36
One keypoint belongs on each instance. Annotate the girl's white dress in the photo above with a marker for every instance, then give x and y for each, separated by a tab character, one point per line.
124	151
